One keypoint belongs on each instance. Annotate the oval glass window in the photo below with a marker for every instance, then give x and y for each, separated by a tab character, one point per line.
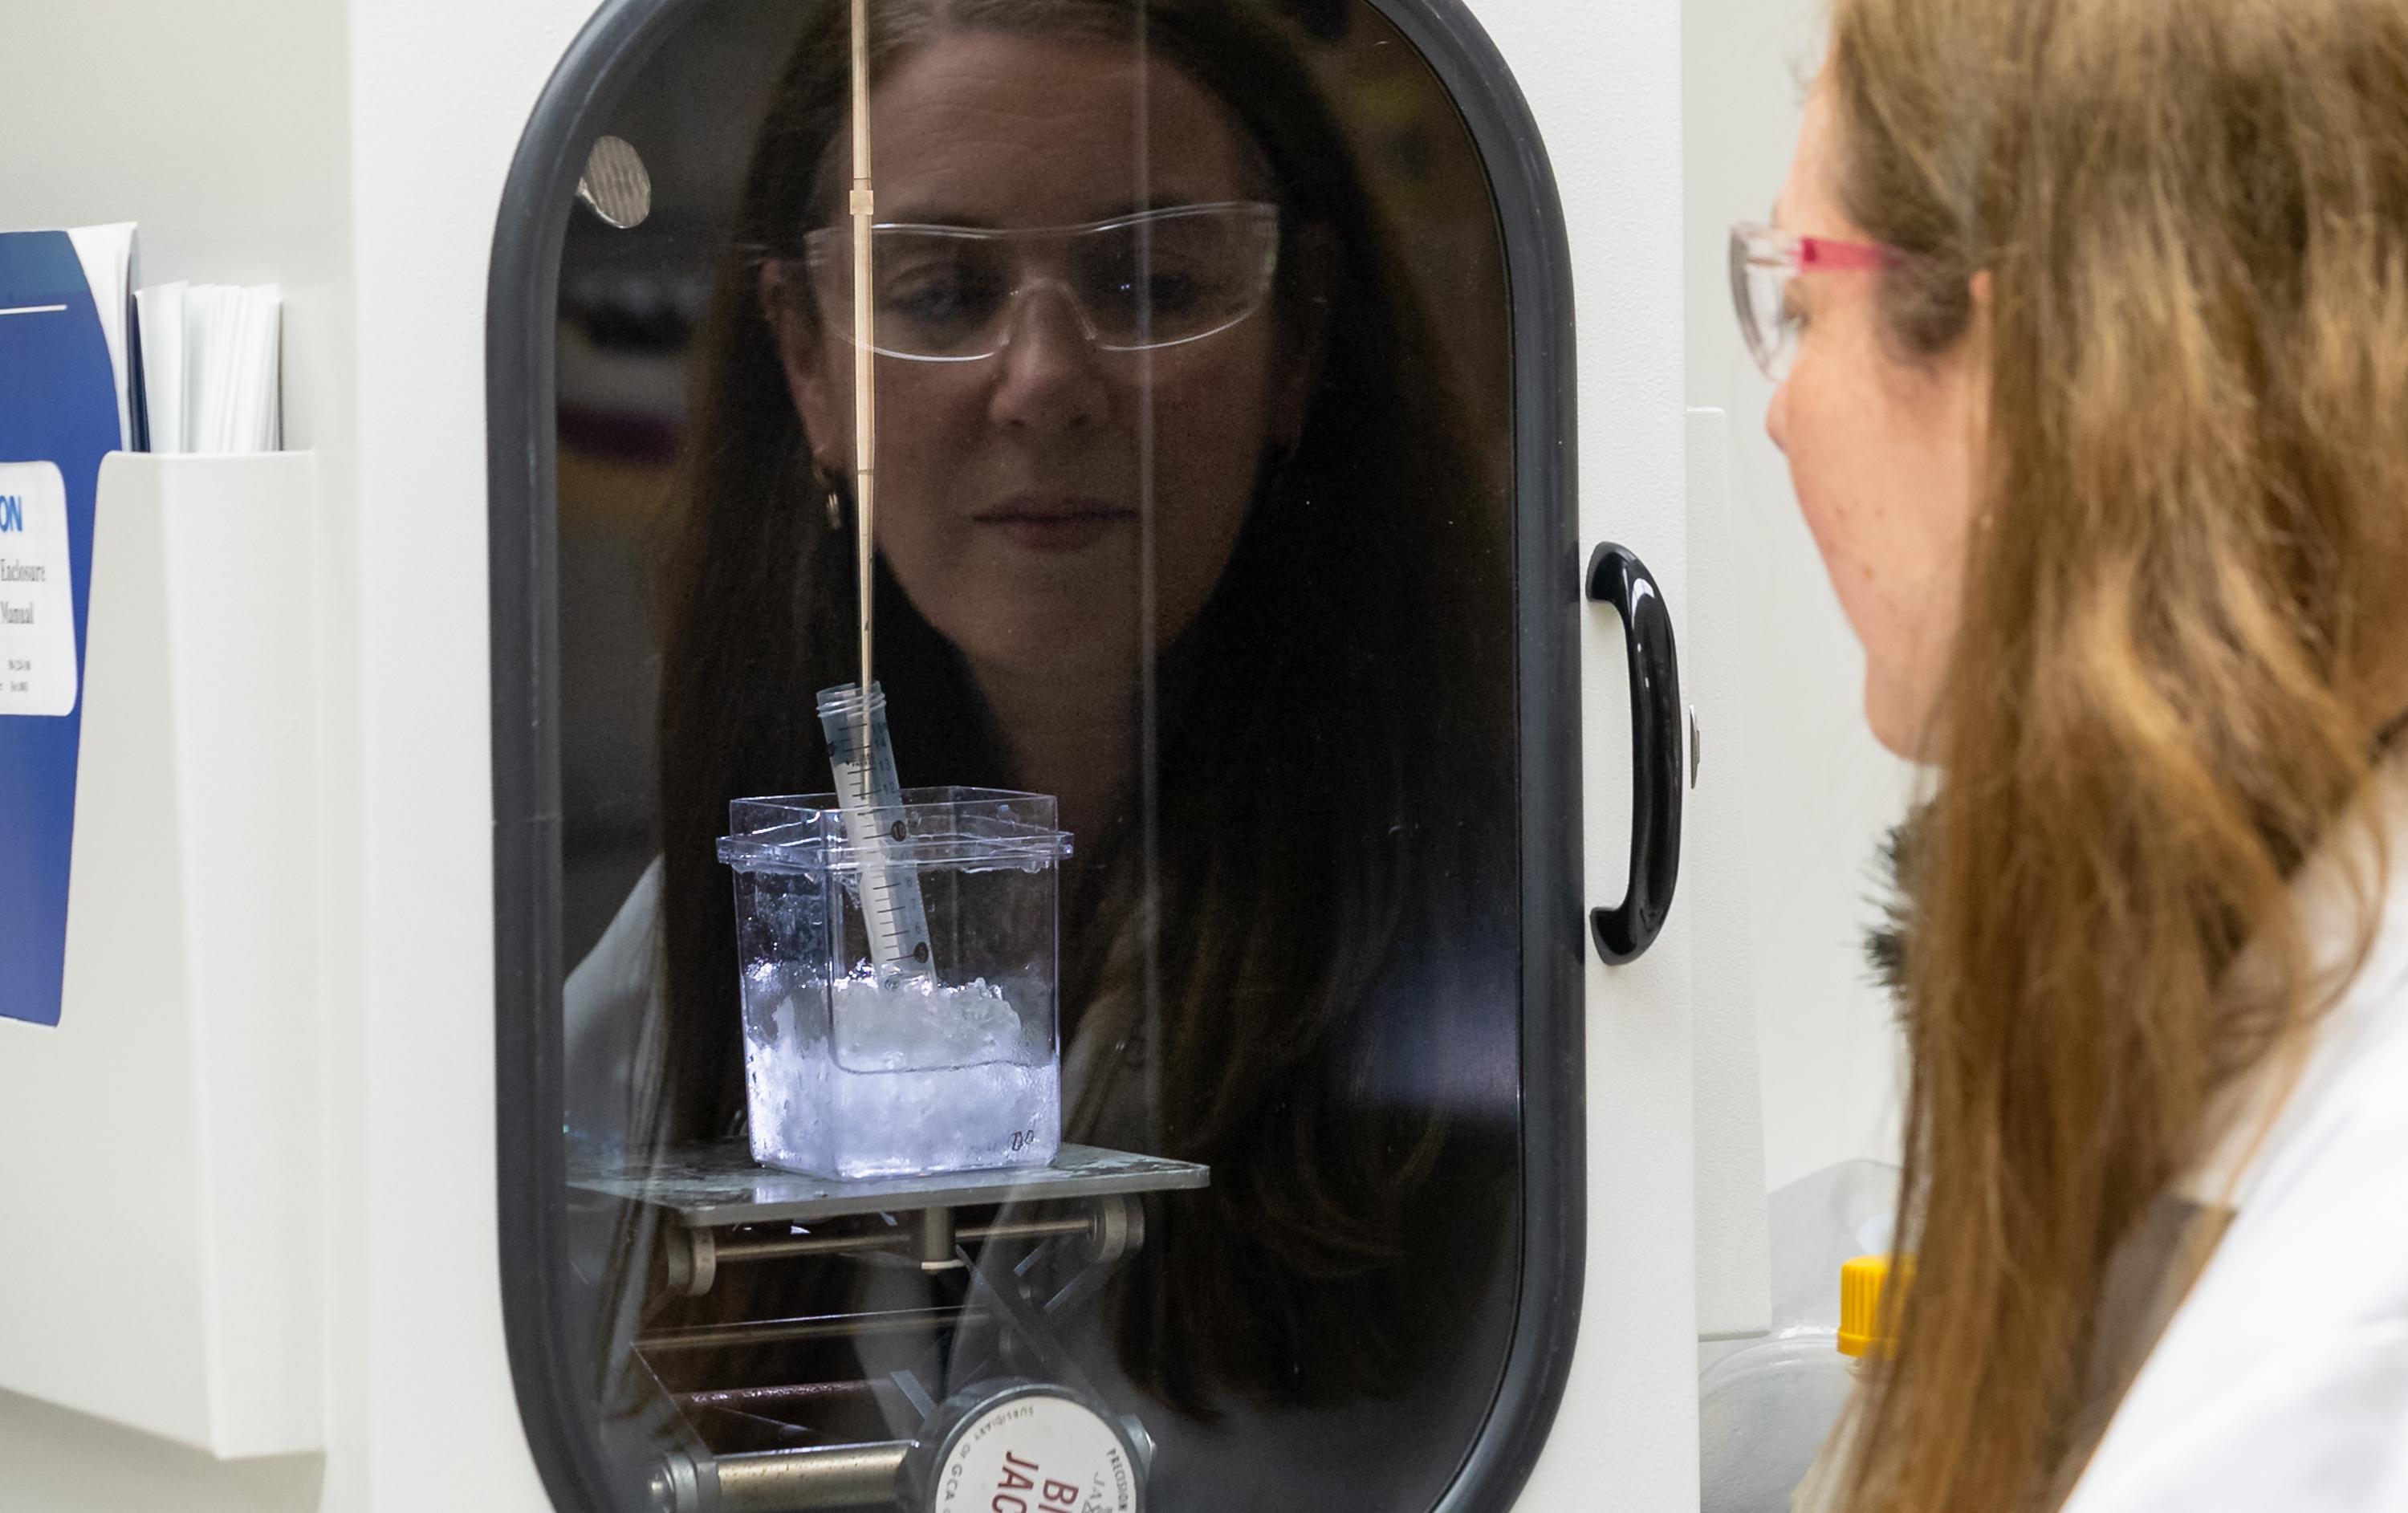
1122	1063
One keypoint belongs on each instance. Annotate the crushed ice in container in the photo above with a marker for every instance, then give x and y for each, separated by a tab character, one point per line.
916	1023
920	1077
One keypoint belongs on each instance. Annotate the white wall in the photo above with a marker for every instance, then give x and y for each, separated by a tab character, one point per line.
223	138
353	152
226	139
1820	792
56	1461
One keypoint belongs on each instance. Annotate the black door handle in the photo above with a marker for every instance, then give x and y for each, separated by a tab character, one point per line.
1618	578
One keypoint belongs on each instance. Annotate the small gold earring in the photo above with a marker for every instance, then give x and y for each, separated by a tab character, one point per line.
829	496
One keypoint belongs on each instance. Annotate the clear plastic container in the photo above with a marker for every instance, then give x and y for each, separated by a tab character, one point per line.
1767	1406
855	1070
1763	1414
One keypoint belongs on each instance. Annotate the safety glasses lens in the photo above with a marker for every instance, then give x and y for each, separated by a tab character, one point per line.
945	294
1157	283
1759	281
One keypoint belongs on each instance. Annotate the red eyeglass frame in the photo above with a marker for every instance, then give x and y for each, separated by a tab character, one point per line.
1755	247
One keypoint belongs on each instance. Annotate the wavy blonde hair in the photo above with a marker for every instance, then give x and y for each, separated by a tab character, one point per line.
2181	631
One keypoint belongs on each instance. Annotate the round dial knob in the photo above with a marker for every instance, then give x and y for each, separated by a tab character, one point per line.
1023	1446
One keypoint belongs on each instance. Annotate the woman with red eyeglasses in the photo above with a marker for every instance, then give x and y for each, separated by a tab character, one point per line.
2090	327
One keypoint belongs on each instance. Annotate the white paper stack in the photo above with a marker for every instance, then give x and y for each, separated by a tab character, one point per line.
108	255
210	366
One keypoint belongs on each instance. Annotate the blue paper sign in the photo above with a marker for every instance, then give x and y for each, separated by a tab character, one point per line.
58	416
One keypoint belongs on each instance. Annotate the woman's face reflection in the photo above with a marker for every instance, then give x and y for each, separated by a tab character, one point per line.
1009	487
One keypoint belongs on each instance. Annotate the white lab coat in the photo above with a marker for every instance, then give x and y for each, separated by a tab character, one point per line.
2282	1381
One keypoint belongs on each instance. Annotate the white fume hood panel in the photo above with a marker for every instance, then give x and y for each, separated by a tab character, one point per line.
159	1148
1603	81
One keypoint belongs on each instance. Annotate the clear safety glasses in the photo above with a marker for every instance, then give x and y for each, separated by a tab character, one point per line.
947	294
1763	261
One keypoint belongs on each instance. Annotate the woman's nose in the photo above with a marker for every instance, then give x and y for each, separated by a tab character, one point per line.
1050	378
1776	416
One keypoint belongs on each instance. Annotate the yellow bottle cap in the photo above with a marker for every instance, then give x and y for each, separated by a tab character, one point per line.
1862	1282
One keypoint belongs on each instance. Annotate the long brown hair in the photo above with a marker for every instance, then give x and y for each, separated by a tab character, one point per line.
1310	837
2182	629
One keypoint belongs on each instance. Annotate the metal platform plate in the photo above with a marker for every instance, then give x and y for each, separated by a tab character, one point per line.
706	1187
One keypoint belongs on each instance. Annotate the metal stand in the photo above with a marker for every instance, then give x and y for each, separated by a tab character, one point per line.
716	1208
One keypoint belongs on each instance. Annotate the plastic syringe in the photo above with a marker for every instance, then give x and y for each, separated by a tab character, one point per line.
872	799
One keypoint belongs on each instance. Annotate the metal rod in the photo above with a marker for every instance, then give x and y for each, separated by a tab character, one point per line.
753	1397
934	1234
865	351
825	1326
821	1244
804	1245
789	1481
1027	1229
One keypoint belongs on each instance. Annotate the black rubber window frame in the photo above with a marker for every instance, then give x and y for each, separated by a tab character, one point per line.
522	311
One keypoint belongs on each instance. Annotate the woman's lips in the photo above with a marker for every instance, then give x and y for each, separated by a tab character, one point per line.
1053	525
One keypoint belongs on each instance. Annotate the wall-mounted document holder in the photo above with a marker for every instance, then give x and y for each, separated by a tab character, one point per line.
160	1146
